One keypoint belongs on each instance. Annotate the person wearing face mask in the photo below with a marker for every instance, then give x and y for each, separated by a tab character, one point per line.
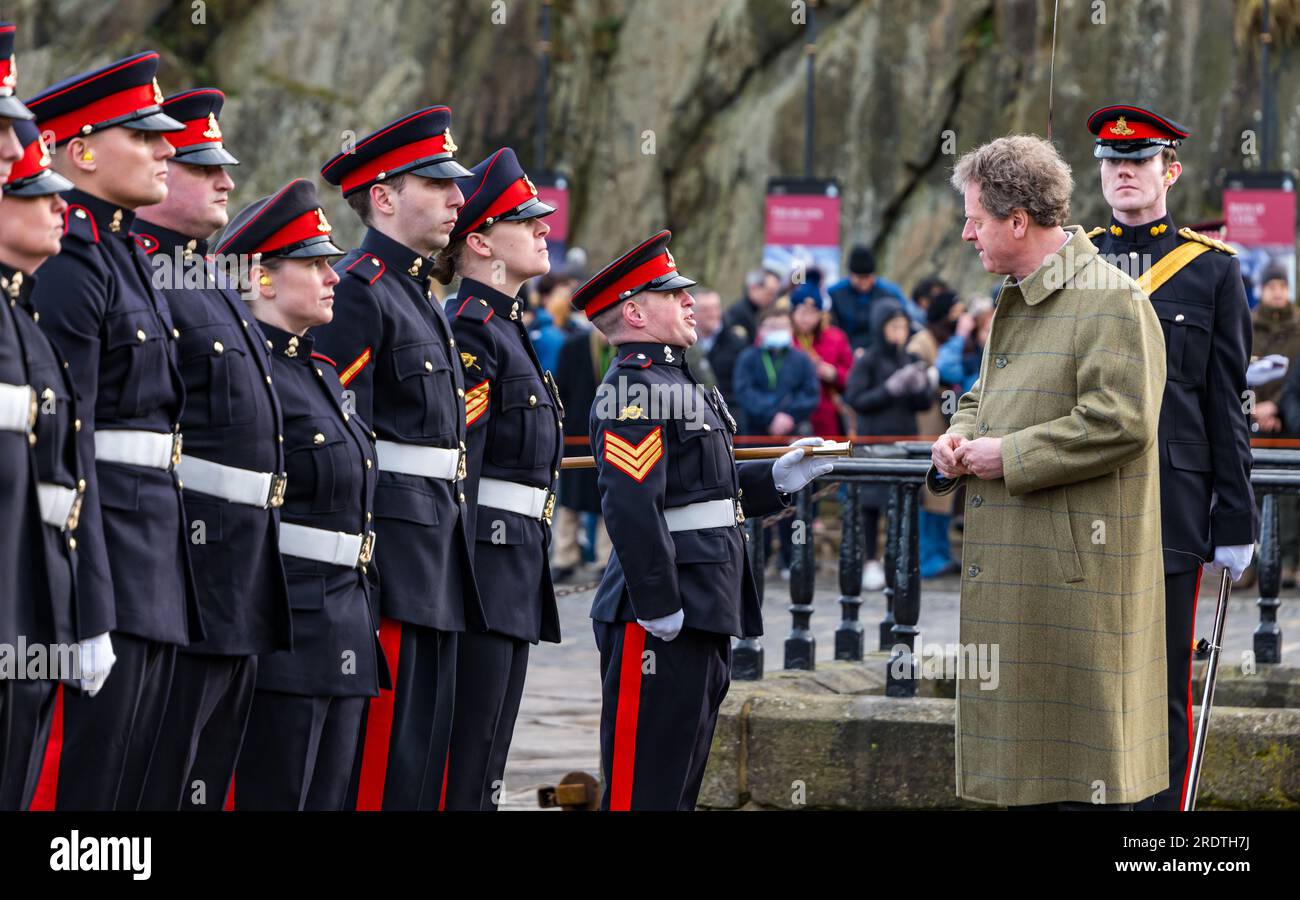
305	722
1194	284
232	467
887	387
513	414
678	585
98	304
401	364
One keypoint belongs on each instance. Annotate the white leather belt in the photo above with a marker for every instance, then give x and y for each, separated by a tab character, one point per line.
410	459
156	450
536	503
17	408
60	506
705	514
265	490
334	547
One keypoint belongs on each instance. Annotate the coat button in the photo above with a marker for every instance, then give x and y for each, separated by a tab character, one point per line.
76	425
245	322
708	427
532	399
176	332
462	496
268	379
281	437
428	366
81	485
460	392
984	428
270	346
369	464
346	417
140	335
318	438
972	571
451	342
218	347
1000	362
369	516
1179	317
72	543
977	500
1133	254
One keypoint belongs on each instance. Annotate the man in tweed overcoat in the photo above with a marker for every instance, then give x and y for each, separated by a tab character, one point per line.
1061	564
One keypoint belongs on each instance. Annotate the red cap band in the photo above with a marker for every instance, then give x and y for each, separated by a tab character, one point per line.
309	225
642	274
516	195
8	77
394	159
36	159
198	131
105	109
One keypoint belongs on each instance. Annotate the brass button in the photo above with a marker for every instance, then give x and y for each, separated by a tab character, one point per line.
532	399
451	342
72	543
462	496
245	322
373	261
318	438
369	464
1178	318
460	392
268	379
984	428
977	500
973	571
369	517
140	335
320	373
76	425
281	437
176	332
31	439
1000	362
270	346
346	417
428	366
218	346
81	484
708	427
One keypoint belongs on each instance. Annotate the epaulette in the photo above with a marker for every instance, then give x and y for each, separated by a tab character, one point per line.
473	309
635	361
323	358
1100	229
1206	240
78	221
148	243
371	271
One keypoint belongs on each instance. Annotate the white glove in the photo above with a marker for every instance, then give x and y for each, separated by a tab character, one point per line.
97	660
665	628
794	470
1266	369
1234	559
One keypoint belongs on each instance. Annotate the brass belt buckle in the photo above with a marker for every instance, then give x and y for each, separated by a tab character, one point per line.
367	549
549	509
177	440
278	485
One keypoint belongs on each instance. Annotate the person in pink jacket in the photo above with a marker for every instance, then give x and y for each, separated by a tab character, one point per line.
830	351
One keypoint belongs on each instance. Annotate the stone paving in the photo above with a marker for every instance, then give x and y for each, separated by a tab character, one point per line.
559	717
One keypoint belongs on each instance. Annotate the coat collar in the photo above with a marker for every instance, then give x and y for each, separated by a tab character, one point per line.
16	286
1058	269
1146	233
651	354
502	304
108	217
288	345
396	256
154	238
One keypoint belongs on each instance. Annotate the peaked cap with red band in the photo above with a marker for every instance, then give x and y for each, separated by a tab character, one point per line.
499	191
289	224
123	93
10	106
649	266
200	144
418	144
1131	132
32	176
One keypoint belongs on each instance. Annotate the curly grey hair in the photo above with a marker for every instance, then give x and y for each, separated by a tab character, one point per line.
1018	172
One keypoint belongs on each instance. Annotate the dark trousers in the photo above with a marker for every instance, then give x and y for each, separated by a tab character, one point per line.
659	706
26	710
1181	589
202	730
407	731
299	752
489	685
93	760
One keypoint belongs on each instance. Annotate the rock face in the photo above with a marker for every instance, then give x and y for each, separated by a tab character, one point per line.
677	112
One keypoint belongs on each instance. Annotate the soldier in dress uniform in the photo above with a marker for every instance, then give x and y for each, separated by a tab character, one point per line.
1195	285
399	360
232	468
97	304
513	412
678	584
42	608
302	732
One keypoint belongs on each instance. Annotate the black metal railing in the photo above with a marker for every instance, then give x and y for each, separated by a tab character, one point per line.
902	468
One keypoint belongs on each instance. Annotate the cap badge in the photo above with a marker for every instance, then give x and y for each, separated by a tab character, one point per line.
157	93
45	153
323	226
630	412
532	188
214	130
11	80
1121	128
447	143
672	263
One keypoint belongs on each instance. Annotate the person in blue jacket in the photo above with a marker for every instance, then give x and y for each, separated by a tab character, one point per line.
853	298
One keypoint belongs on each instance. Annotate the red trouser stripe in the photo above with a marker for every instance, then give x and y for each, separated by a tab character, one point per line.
379	725
230	795
442	797
47	788
1191	732
625	718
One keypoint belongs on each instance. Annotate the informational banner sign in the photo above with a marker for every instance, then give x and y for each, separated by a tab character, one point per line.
554	189
1261	224
802	228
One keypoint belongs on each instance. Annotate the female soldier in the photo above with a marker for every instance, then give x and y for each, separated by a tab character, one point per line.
514	443
306	716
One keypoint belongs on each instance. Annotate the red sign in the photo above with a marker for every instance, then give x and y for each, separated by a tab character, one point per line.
808	219
1260	216
558	220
